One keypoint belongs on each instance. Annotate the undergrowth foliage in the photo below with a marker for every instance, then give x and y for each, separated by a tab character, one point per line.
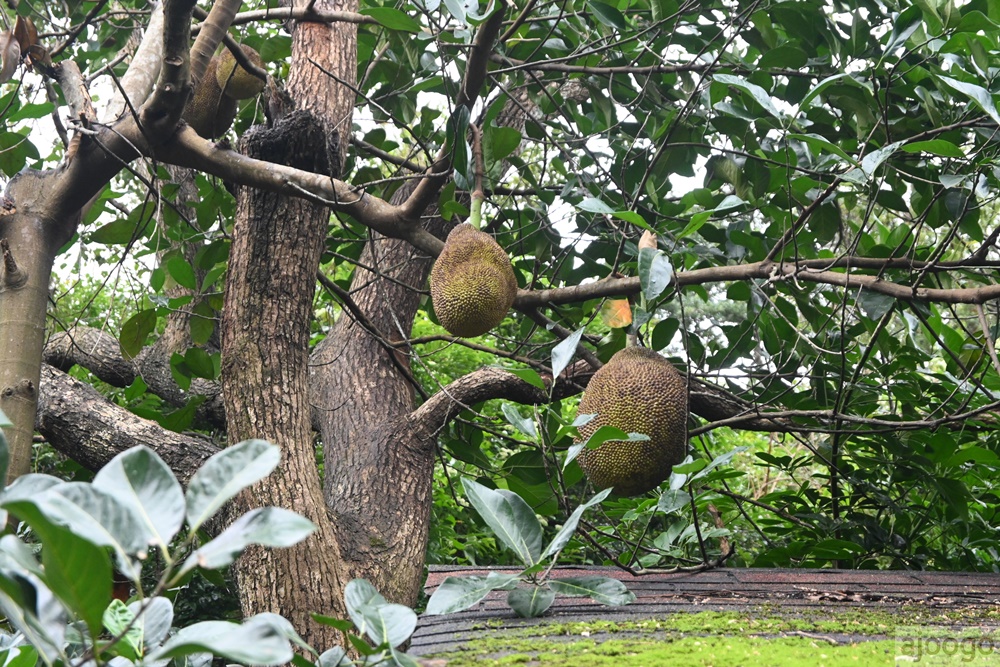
56	576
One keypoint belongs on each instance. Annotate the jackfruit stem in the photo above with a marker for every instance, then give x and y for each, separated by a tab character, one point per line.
476	213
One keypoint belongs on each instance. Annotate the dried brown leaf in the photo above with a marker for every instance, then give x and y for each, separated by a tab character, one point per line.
25	33
10	56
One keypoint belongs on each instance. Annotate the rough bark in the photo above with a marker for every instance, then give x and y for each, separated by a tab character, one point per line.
265	341
99	352
377	474
82	424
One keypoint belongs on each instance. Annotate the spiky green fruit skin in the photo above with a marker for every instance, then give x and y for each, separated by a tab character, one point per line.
472	283
235	81
208	111
637	391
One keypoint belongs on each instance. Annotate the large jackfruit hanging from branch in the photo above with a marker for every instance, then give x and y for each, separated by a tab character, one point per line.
472	283
637	391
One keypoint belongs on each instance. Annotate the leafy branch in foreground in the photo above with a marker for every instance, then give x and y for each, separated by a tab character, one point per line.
61	606
386	625
515	524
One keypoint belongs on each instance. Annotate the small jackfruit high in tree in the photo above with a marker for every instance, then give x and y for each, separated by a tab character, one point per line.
472	283
637	391
212	108
235	81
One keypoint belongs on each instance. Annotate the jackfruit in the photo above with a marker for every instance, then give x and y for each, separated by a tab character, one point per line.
637	391
235	81
472	283
208	111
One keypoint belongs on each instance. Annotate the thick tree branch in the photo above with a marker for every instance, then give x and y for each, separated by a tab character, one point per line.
93	349
769	271
187	149
99	352
142	73
82	424
212	31
161	114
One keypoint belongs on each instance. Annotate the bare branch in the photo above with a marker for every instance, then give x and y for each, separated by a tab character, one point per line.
770	271
189	150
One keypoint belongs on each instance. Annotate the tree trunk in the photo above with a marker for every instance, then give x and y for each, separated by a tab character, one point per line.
277	243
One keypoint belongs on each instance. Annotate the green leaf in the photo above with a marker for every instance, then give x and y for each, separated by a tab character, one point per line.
137	225
458	593
180	270
517	528
256	642
634	218
823	146
977	94
601	589
672	500
525	425
225	474
934	147
78	572
592	205
135	331
563	353
266	526
141	480
531	602
156	617
392	18
721	460
502	141
109	522
905	25
875	304
562	538
599	437
383	622
529	375
120	622
334	657
608	15
655	272
759	94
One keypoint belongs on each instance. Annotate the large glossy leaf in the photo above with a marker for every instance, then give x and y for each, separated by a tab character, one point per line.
563	353
256	642
225	474
266	526
141	480
79	573
655	272
458	593
601	589
531	601
517	528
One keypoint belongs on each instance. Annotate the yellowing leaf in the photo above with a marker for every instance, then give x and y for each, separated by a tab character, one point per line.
616	313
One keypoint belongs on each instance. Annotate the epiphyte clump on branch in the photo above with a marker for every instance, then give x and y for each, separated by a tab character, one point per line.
472	283
637	391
